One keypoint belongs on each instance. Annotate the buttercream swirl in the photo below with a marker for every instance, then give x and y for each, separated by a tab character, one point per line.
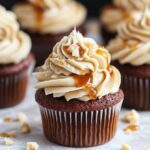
50	16
121	10
15	45
78	69
132	44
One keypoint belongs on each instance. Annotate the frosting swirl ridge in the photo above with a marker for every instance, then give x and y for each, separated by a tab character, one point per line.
50	16
133	42
15	45
78	69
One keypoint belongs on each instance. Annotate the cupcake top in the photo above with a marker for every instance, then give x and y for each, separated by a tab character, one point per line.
132	45
50	16
113	15
15	45
79	69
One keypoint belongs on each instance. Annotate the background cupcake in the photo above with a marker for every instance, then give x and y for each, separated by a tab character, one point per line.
131	51
78	93
15	60
114	14
48	21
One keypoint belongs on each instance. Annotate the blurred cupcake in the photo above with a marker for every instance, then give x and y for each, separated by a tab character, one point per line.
15	60
78	93
131	53
47	21
114	14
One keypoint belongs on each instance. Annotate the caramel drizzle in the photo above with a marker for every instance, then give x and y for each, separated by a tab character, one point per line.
82	80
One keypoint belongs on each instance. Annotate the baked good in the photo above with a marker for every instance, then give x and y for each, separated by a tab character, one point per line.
47	21
16	61
131	54
78	93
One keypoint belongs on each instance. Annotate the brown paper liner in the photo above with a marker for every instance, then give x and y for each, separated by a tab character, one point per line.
137	92
13	85
80	129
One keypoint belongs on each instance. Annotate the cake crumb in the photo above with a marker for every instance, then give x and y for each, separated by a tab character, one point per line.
32	146
126	147
131	128
25	128
131	117
21	117
8	120
8	135
8	141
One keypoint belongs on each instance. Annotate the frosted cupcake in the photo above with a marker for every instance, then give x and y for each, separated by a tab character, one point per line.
131	53
47	21
15	60
114	14
78	93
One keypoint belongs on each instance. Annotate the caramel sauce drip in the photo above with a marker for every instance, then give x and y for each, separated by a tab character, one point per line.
132	128
100	52
81	80
39	15
91	91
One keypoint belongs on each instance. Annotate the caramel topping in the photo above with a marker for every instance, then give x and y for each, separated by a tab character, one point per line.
132	128
91	91
39	16
81	50
4	134
82	80
100	52
8	120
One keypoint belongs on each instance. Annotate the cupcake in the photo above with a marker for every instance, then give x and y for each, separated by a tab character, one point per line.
15	60
47	21
114	14
78	93
131	54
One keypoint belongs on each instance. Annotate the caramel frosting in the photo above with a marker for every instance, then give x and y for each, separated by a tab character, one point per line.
121	10
132	4
15	45
78	69
132	44
50	16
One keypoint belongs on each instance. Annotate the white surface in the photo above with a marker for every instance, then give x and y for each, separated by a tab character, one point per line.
138	140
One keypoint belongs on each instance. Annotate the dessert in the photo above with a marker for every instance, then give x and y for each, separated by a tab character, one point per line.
47	21
16	61
78	93
113	15
131	54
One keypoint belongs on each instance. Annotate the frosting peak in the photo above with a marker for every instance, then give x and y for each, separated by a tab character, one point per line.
133	42
15	45
78	68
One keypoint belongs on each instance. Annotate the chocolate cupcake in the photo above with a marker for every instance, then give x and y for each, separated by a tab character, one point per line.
78	93
112	15
16	60
131	54
48	21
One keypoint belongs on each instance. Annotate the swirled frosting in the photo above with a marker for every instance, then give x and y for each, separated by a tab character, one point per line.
15	45
121	10
78	69
133	42
50	16
132	4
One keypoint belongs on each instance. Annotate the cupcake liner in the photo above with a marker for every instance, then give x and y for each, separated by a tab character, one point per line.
137	92
13	87
80	129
